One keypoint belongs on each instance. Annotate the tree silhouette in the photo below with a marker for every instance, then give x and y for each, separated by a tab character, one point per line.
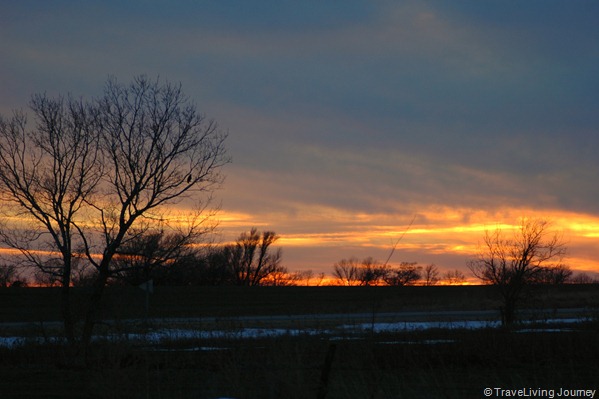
511	263
408	273
347	271
454	277
154	255
91	175
250	258
47	175
430	275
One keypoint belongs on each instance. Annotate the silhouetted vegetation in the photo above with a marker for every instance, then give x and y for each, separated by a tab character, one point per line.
367	272
250	260
174	260
531	255
408	273
430	274
89	176
354	272
454	277
11	277
156	256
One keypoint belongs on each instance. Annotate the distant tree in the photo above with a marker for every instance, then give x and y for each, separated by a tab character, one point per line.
280	278
346	271
372	272
286	278
408	273
454	277
582	278
9	275
430	275
512	262
251	259
320	278
304	276
154	255
558	274
355	272
210	269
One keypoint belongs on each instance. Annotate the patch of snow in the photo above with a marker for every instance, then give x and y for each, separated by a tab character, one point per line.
10	342
421	325
424	341
194	349
166	334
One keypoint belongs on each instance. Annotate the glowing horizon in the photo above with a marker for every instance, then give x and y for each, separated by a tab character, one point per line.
441	233
436	234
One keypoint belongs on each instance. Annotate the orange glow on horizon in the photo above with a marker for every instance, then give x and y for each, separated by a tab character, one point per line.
437	230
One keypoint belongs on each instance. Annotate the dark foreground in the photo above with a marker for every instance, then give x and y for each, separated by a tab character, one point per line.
408	364
42	304
432	364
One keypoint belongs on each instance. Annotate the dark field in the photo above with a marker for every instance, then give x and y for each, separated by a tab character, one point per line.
42	304
432	363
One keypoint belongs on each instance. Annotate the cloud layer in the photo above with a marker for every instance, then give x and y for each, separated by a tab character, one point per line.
354	117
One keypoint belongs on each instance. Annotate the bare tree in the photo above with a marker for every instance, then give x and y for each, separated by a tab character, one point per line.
47	174
355	272
512	262
303	276
454	277
320	278
346	271
372	272
9	275
153	255
582	278
558	274
115	162
158	150
408	273
281	278
250	259
430	275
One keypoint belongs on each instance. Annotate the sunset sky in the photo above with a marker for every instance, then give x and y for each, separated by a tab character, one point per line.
348	120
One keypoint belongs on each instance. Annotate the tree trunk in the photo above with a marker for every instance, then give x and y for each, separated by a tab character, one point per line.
66	310
93	306
67	314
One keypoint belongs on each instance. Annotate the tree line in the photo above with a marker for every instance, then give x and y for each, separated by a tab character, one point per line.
174	259
370	272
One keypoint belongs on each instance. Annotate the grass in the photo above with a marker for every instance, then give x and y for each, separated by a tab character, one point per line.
406	364
376	366
43	304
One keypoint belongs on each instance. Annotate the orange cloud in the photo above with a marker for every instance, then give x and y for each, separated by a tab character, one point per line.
319	236
436	231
